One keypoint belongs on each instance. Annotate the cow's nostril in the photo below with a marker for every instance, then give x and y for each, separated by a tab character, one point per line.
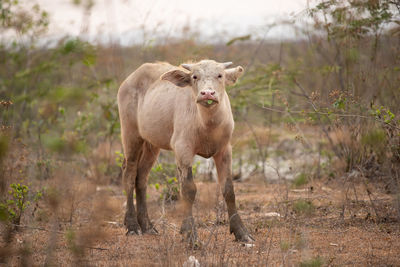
213	93
202	92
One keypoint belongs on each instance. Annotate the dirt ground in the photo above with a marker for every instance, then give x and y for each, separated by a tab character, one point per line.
292	227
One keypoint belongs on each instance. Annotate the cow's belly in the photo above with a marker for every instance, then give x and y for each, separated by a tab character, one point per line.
207	154
155	119
153	132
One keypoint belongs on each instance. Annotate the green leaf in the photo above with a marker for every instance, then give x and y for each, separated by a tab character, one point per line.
340	103
240	38
89	60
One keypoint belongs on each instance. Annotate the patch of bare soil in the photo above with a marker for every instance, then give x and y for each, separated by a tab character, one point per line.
316	225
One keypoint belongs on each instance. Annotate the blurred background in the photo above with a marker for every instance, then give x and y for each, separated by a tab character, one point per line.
319	100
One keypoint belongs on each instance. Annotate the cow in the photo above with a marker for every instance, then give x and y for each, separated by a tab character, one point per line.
185	109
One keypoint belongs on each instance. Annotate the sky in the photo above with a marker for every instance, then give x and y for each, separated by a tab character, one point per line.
133	21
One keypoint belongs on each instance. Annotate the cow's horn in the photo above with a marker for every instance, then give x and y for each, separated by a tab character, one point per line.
227	64
187	66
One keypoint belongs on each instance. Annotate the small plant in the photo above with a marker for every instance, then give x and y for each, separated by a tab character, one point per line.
76	249
161	174
12	209
303	207
44	167
163	178
383	113
285	246
170	191
314	262
119	158
300	180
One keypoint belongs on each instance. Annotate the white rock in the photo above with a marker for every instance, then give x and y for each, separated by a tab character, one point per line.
272	214
191	262
299	190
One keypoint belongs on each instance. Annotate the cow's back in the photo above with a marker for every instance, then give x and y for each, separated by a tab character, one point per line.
132	91
142	78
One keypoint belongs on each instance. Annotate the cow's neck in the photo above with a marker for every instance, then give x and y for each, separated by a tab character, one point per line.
211	118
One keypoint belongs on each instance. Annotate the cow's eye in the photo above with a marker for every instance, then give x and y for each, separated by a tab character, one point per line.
194	77
219	75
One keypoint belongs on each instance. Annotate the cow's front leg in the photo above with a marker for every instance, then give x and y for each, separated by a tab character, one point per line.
188	194
223	163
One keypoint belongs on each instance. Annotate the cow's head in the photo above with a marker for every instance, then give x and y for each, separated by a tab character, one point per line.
207	79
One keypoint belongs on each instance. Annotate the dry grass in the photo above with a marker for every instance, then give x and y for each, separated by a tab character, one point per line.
96	236
326	222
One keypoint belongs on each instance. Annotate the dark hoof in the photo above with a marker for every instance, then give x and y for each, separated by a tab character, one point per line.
192	240
132	226
188	225
151	231
189	231
147	227
133	232
239	230
195	245
245	238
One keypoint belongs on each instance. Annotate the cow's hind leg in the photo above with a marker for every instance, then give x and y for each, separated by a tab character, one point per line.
133	150
147	159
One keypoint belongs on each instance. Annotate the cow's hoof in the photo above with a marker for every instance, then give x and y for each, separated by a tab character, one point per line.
132	226
245	238
192	240
239	230
195	244
151	231
133	232
147	227
188	225
242	235
189	231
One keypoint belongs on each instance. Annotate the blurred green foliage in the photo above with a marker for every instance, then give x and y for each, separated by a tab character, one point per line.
300	180
303	207
61	106
313	262
164	179
3	146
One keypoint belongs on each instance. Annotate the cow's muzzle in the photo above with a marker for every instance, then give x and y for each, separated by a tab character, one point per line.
207	101
207	98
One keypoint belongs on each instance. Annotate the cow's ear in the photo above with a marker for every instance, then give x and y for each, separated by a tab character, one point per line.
177	77
231	75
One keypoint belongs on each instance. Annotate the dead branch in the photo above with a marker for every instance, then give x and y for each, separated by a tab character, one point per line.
328	113
37	228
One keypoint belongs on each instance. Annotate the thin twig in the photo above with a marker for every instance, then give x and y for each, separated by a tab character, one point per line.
327	114
209	238
98	248
270	245
38	228
261	152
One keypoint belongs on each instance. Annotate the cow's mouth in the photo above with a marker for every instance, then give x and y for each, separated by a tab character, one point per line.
207	102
